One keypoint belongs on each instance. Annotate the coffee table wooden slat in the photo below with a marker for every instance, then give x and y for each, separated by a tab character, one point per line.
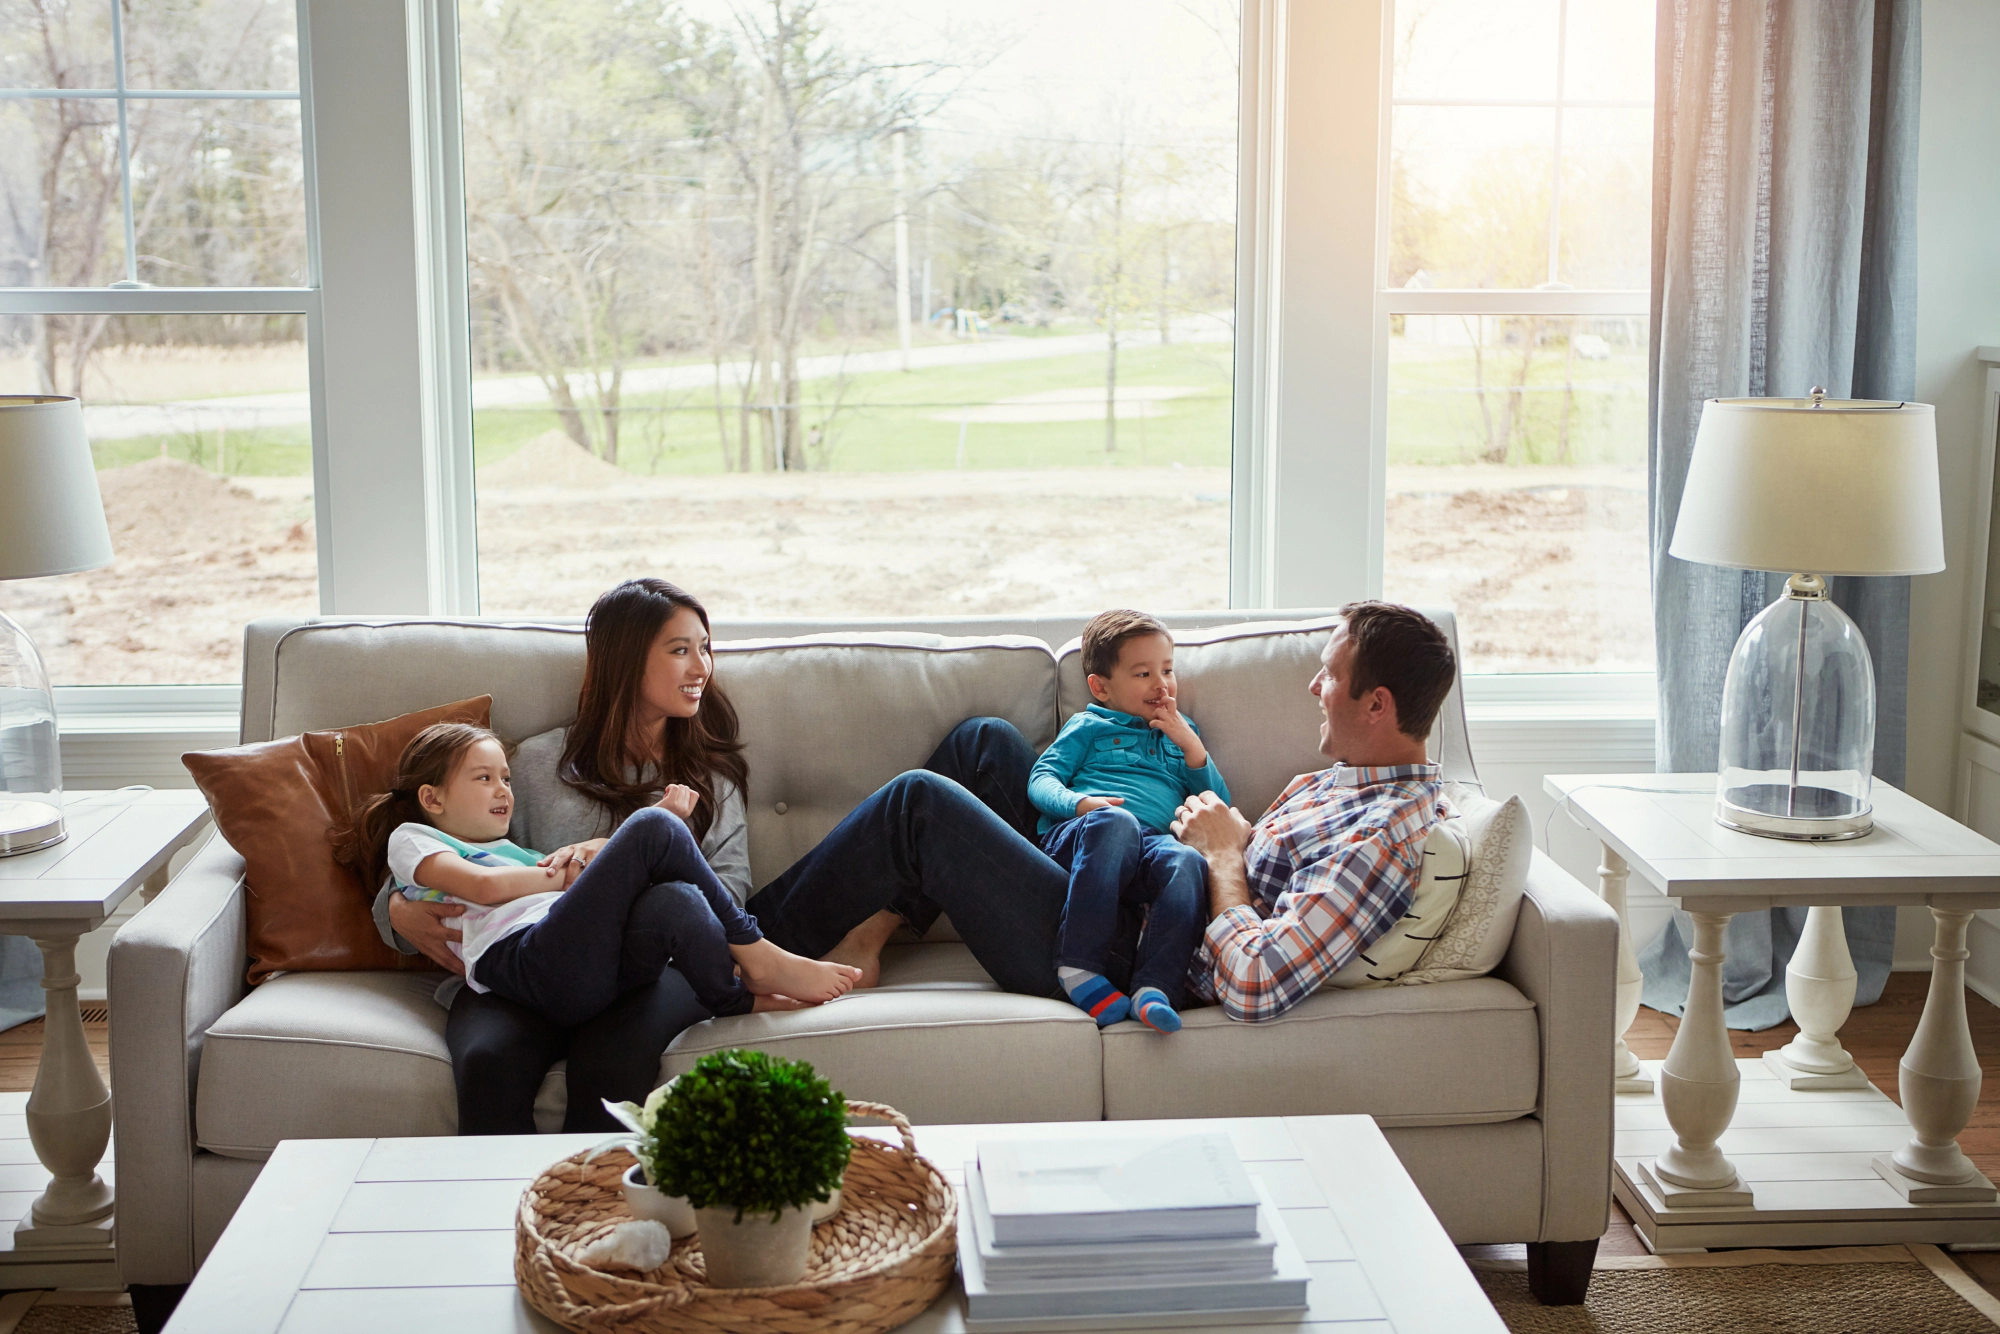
417	1235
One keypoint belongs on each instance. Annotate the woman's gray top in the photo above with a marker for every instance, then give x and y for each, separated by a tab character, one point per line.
550	814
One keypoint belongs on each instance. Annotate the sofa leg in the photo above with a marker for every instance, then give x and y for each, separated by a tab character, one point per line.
1559	1271
152	1303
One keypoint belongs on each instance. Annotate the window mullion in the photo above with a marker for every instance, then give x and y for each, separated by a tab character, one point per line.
124	144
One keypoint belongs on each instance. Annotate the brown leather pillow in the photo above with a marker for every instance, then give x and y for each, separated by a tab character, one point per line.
276	802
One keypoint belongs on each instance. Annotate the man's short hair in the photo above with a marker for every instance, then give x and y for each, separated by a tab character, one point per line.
1403	650
1106	635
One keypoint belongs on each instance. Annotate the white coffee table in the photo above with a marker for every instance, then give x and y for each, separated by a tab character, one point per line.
1814	1155
417	1235
119	842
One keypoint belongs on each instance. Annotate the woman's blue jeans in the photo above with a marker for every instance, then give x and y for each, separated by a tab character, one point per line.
647	899
956	838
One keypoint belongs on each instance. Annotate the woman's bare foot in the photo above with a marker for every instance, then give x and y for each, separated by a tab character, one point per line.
861	948
763	1004
768	970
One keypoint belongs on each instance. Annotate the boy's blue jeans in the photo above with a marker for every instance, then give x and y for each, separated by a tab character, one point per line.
647	899
1118	871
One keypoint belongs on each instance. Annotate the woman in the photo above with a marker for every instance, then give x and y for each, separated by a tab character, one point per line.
649	714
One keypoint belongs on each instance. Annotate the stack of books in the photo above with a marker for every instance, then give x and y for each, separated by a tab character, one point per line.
1063	1229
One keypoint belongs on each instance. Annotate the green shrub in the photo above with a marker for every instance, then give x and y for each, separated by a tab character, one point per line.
747	1130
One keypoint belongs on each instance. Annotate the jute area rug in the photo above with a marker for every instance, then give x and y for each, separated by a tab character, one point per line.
1840	1290
66	1313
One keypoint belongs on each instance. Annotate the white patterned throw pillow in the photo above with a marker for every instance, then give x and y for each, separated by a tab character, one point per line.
1476	937
1384	961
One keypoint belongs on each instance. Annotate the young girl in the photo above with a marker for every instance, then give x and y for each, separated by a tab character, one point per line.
563	941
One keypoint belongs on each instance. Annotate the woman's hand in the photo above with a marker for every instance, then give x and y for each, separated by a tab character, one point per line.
680	800
571	858
425	926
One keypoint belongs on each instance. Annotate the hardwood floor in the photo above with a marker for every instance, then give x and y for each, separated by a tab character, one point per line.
21	1052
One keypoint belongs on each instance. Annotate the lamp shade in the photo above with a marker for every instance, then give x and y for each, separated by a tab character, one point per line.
1813	486
51	516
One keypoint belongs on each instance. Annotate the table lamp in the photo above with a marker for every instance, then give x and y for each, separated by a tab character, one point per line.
1808	487
51	522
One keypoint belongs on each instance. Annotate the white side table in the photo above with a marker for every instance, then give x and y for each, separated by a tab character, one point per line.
1824	1157
118	842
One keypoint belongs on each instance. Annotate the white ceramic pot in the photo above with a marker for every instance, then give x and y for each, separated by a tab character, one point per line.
757	1252
827	1208
671	1211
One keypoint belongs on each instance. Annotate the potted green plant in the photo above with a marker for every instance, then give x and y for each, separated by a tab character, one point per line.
753	1142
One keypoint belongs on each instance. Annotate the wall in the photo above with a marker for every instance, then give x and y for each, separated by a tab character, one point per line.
1958	308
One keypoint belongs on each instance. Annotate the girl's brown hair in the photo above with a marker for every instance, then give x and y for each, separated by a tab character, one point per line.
618	640
429	760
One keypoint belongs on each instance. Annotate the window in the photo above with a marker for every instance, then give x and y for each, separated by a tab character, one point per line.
857	308
155	261
1514	284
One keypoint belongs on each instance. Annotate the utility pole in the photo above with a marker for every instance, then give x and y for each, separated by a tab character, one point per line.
902	256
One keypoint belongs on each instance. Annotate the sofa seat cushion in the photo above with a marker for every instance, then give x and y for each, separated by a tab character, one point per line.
943	1050
325	1056
1449	1054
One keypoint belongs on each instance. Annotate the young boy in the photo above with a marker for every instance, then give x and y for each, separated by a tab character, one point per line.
1107	790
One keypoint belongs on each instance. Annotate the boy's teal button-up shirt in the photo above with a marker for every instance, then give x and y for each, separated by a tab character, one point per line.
1104	753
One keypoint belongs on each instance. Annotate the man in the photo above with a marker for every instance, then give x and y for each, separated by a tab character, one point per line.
1335	861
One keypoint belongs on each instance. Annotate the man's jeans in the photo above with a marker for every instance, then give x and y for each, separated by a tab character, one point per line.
647	899
955	837
1118	871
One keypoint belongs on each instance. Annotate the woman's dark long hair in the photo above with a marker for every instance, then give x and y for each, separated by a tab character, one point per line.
618	639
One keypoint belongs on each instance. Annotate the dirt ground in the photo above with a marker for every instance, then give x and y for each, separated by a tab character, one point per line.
1545	577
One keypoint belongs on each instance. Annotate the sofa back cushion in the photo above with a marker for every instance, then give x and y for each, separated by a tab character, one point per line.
826	719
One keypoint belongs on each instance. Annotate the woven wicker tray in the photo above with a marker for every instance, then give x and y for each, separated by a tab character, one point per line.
883	1258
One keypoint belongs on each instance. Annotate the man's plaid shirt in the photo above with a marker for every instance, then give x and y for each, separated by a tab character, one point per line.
1334	863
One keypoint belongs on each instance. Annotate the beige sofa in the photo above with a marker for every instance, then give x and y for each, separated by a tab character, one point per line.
1495	1092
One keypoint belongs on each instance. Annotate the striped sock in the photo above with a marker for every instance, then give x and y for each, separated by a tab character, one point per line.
1149	1007
1095	996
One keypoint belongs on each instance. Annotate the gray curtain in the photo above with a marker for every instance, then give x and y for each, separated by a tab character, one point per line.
1784	256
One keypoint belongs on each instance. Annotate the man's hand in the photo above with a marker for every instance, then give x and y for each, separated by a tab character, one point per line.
1212	827
680	800
1219	833
571	858
425	926
1167	718
1085	805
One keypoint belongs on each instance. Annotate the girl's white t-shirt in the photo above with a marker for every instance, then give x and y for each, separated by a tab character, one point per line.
411	843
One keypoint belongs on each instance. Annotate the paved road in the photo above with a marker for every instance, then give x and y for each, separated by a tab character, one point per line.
251	411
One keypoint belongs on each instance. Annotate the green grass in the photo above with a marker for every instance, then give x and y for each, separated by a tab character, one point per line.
888	421
893	421
275	451
1433	419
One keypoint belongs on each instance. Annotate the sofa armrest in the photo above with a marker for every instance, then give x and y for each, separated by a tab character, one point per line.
174	969
1564	958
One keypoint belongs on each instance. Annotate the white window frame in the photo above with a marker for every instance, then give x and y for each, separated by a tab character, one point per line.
388	333
1309	498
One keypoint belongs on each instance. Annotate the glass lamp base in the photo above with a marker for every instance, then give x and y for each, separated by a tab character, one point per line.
27	826
1807	814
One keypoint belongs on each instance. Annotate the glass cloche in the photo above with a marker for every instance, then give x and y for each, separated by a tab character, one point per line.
1798	721
30	758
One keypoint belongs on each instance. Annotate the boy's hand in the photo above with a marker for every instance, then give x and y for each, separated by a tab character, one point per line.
680	800
1085	805
1167	718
